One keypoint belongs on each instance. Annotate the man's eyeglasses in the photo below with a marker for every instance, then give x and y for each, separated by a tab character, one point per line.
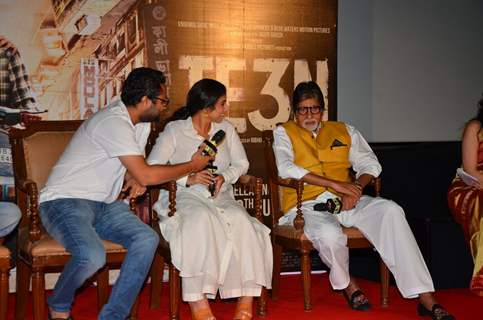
312	109
163	101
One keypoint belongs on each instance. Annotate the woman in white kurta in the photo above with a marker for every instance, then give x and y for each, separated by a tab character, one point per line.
215	244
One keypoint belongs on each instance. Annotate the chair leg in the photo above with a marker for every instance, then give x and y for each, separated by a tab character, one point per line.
262	303
38	293
3	293
156	281
22	290
174	293
305	266
277	265
384	284
102	287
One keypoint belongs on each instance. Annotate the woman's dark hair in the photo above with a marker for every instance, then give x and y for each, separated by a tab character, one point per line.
203	94
479	115
142	82
307	90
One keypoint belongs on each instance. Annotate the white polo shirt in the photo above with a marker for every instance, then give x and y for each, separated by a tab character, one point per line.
90	167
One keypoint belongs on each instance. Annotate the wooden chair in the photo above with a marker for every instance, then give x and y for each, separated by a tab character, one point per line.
163	256
35	150
293	237
4	272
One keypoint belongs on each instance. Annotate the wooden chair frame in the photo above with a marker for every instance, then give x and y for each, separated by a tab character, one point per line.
293	237
33	267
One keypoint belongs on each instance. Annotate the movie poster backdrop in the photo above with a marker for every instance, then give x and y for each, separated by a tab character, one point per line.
78	53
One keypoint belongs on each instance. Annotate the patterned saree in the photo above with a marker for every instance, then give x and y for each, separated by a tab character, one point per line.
466	204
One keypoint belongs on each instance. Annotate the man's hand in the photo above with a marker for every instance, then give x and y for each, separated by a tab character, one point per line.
27	118
349	202
347	188
219	180
202	177
135	189
7	44
199	161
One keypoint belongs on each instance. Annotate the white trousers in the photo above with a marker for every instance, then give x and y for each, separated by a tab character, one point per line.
384	224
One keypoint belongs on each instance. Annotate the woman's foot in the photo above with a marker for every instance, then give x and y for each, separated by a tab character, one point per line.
244	309
200	310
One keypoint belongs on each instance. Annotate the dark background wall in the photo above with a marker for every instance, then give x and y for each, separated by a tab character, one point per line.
417	177
409	70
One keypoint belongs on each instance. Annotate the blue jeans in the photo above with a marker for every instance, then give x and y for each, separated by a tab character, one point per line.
9	217
79	225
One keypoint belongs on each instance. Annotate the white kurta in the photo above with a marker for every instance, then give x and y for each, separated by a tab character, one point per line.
381	221
215	243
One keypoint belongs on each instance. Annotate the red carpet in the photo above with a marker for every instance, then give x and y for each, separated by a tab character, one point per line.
327	304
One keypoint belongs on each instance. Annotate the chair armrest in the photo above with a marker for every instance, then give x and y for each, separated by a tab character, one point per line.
153	191
29	187
298	185
249	180
376	182
290	183
26	186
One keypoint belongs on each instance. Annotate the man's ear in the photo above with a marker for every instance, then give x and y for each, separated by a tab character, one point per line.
144	104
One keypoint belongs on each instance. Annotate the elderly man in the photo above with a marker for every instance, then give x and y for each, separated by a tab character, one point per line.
321	154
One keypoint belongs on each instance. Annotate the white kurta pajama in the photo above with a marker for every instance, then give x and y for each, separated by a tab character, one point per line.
215	244
381	221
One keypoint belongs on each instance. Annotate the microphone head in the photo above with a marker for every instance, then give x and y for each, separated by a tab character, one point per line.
218	137
212	144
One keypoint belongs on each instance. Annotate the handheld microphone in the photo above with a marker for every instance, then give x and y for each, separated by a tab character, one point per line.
332	205
211	148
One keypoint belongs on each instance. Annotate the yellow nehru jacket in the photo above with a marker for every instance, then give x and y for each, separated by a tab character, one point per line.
326	155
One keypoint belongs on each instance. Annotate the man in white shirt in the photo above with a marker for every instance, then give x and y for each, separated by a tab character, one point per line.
79	204
321	154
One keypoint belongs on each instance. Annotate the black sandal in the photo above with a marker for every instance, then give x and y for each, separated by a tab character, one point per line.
358	300
437	312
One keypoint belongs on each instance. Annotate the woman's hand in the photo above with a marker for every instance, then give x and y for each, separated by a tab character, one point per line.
202	177
219	180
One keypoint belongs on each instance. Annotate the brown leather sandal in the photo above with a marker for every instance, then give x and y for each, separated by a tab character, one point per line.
202	314
243	311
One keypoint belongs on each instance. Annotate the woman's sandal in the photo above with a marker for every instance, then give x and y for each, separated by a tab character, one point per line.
50	317
243	311
357	301
69	318
437	312
202	314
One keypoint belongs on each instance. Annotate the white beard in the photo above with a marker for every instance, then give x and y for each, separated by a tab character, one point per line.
310	126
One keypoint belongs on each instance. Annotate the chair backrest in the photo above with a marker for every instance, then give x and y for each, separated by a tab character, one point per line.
36	149
272	173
